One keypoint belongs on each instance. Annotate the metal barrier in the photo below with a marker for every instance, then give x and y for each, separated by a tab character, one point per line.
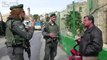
68	43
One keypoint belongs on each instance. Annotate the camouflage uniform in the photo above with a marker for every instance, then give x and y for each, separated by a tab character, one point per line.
51	43
16	37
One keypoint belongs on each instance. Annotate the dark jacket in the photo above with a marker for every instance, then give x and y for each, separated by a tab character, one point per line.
91	42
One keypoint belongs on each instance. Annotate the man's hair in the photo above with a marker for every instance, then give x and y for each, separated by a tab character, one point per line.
52	15
90	17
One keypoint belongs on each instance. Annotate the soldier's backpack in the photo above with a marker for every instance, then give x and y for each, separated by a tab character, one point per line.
9	35
12	39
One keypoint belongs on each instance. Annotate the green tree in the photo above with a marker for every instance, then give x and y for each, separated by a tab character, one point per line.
78	22
47	17
36	17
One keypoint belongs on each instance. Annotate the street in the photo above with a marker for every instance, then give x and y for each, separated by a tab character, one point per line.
37	49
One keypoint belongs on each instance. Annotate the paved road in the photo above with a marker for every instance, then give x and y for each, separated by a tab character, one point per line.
3	50
37	49
36	46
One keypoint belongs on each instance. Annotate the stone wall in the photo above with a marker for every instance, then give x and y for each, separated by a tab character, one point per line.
101	17
84	8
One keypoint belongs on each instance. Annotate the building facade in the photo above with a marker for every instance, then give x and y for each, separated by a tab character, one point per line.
99	11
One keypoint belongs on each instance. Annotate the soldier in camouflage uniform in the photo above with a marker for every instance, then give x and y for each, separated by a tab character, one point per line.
51	35
17	36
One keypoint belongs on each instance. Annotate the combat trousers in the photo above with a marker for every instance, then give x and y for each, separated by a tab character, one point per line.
50	50
15	53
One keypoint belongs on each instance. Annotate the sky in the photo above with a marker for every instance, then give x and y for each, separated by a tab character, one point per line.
36	6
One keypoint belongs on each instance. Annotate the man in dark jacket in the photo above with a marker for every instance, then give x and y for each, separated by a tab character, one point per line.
91	42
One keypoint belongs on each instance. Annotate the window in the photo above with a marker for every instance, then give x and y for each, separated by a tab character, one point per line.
80	9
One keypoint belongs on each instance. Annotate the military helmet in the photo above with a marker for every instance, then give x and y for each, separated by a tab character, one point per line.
16	6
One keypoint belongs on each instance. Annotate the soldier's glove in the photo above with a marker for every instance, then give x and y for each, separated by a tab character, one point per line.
52	35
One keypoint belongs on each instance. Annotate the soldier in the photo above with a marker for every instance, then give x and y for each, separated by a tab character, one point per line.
2	26
17	36
51	35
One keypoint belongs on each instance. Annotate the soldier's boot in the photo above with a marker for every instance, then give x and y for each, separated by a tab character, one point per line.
47	53
46	57
52	55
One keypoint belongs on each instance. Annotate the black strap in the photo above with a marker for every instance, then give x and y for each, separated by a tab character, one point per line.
13	52
12	21
75	46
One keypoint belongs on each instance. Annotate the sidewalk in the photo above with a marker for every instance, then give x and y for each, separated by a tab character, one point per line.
61	55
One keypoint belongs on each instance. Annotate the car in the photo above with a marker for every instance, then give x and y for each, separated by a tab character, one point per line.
27	23
38	26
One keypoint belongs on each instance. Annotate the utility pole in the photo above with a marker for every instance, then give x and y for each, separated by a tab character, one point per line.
90	6
74	26
58	15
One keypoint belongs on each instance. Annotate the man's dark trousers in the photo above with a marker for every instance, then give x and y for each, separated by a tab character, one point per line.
50	50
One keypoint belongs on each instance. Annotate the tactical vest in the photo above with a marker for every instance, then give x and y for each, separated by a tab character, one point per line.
53	29
12	39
